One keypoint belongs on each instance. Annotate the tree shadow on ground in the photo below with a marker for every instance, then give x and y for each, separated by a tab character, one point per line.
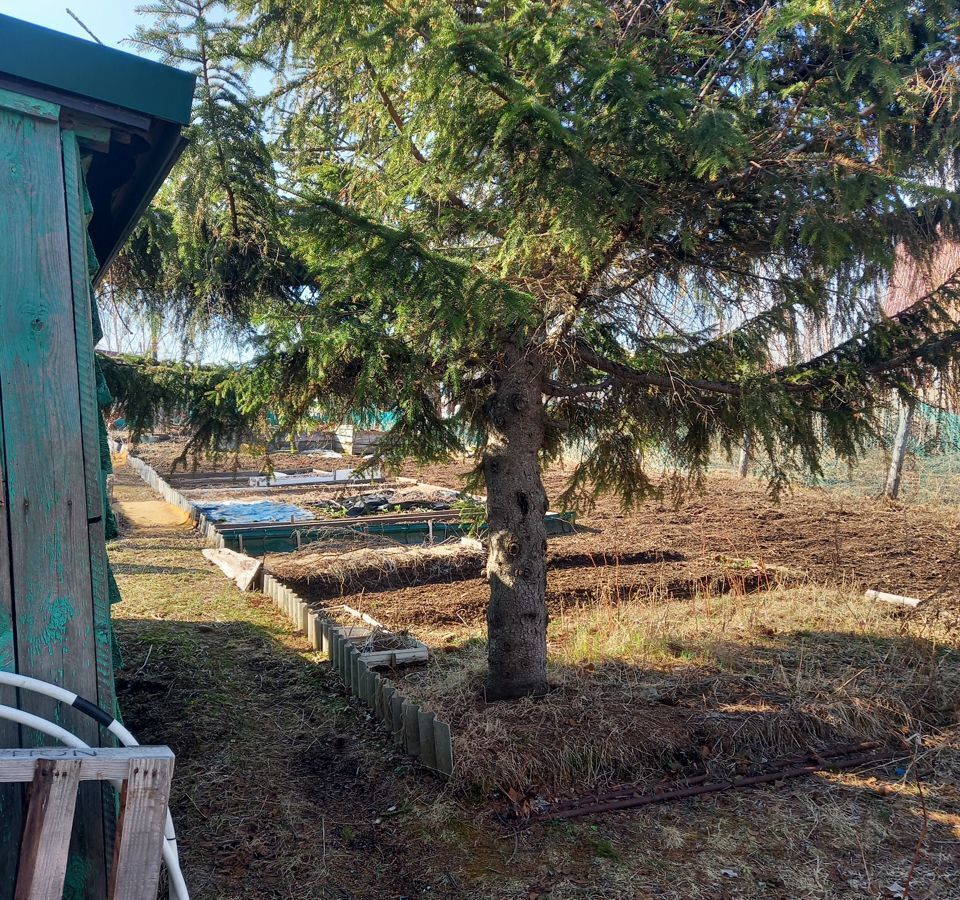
284	788
137	569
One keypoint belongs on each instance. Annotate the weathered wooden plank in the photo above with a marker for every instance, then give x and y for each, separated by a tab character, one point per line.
89	419
11	795
356	633
139	846
46	837
393	657
17	765
443	742
95	136
428	746
241	569
29	106
45	485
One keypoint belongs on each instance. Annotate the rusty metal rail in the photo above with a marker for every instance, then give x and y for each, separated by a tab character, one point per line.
630	796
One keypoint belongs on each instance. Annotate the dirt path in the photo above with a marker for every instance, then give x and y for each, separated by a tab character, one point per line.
281	789
284	789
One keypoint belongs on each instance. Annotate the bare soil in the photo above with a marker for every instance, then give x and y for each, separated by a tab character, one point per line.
166	458
732	537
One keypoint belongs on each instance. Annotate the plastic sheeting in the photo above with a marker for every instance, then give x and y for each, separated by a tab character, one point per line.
234	513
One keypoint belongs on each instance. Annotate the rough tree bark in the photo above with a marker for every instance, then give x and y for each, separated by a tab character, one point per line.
516	505
746	451
898	455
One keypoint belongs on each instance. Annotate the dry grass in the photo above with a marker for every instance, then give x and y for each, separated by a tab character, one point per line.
284	790
334	572
654	686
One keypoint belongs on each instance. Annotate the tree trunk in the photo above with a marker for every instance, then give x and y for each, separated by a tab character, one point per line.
892	488
516	505
746	448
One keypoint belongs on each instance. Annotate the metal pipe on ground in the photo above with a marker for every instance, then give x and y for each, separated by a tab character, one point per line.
713	787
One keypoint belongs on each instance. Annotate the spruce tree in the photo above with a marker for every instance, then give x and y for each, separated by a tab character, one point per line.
603	224
208	247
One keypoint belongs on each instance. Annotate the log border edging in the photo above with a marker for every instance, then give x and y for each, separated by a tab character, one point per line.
416	730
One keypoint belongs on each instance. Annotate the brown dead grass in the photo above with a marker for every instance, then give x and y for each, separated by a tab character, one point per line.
713	636
165	457
652	688
283	789
331	573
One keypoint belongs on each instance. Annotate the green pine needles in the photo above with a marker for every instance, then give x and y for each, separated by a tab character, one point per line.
673	219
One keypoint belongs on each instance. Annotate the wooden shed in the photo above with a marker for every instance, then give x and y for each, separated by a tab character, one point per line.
87	135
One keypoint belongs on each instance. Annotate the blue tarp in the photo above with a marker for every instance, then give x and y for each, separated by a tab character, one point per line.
259	511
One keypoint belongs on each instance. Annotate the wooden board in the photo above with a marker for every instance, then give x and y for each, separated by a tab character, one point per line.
77	205
238	567
136	864
11	795
96	764
45	489
90	423
46	837
55	772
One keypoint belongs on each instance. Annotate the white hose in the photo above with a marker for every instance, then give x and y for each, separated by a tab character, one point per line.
38	724
171	855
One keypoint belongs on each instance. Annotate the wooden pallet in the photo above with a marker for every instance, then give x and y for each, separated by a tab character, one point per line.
54	776
358	635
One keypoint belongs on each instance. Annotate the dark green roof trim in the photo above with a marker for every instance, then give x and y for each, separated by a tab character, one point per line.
81	67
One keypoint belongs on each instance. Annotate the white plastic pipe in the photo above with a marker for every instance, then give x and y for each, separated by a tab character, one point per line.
893	598
49	728
171	854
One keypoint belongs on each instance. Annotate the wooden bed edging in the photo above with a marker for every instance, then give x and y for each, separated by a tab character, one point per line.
415	730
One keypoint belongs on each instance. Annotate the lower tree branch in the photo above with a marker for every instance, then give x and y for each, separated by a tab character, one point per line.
627	375
555	389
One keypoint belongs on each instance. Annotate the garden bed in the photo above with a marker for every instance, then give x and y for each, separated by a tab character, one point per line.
702	640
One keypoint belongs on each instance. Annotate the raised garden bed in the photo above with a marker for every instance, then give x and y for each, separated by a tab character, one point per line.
712	681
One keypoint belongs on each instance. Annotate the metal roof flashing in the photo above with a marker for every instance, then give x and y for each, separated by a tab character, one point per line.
131	109
66	63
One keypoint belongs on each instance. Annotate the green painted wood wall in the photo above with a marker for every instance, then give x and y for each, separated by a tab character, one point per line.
54	603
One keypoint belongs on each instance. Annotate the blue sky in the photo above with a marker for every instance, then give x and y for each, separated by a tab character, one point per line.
109	20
